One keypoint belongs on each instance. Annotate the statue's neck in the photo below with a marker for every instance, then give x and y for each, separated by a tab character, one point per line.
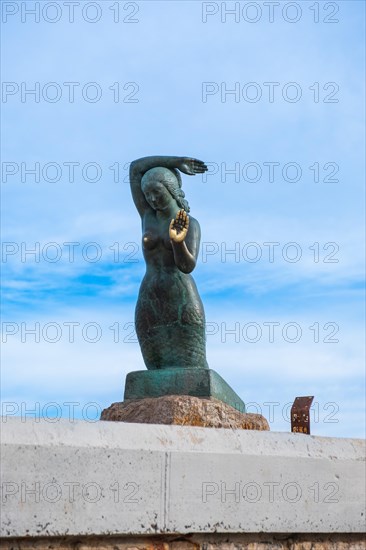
168	214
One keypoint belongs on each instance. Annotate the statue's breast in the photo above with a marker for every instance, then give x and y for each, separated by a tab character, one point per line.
150	240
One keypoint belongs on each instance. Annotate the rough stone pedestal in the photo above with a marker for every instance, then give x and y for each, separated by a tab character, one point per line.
184	410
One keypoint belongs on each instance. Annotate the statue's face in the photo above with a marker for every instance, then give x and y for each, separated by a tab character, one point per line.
157	195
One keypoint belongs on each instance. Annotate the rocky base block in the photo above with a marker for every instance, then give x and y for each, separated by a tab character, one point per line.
184	410
214	541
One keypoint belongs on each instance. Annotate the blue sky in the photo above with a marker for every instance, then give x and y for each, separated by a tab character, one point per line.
172	71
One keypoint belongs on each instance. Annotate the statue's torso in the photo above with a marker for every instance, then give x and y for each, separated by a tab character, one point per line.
169	317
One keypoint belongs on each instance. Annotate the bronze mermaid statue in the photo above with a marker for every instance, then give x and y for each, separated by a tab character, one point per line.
169	315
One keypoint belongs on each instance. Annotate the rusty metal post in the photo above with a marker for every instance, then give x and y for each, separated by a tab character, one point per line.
300	418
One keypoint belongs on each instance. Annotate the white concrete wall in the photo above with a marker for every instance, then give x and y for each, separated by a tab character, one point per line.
114	478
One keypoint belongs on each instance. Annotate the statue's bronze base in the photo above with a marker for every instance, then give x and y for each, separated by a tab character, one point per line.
184	410
196	382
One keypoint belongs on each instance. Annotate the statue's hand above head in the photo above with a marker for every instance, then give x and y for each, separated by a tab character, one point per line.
191	166
178	228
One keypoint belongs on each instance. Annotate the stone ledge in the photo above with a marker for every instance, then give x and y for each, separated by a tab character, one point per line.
184	410
140	479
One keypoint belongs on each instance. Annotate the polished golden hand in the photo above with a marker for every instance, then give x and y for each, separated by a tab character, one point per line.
178	228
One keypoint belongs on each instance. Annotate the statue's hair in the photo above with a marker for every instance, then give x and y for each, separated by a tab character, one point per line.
171	179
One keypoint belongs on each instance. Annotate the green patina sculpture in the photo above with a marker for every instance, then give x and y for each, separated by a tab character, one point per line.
169	316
